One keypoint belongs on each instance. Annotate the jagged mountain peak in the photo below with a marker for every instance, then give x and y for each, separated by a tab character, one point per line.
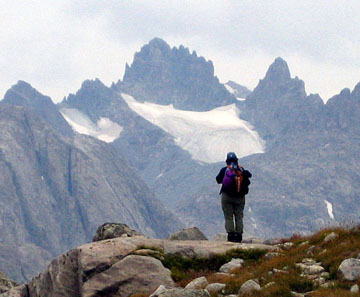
92	82
22	93
356	91
165	75
278	71
159	43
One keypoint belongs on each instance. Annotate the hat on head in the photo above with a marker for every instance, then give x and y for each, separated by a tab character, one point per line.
231	157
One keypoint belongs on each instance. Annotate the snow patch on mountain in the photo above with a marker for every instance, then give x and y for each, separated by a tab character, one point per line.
104	129
234	92
207	136
329	209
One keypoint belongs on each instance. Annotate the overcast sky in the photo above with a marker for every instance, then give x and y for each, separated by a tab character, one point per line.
56	45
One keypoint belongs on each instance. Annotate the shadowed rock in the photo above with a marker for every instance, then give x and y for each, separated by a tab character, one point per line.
188	234
113	230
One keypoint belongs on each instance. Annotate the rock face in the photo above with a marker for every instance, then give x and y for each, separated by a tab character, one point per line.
149	149
113	230
165	75
279	103
188	234
55	192
110	268
24	94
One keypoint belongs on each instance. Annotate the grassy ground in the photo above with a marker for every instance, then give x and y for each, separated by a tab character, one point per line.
280	275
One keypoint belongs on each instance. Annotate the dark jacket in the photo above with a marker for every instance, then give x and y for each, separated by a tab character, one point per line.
231	189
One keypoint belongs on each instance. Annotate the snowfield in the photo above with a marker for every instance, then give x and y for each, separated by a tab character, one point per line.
207	136
104	129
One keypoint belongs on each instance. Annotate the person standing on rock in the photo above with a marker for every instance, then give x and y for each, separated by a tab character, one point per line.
235	185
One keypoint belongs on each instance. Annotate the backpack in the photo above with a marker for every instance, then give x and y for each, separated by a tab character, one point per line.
236	181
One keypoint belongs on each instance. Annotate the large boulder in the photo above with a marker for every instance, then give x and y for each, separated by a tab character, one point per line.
113	230
188	234
124	278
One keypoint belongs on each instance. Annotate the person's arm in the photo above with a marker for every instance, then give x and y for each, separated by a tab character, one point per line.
220	176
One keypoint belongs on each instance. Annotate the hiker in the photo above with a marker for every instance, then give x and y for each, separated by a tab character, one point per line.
235	185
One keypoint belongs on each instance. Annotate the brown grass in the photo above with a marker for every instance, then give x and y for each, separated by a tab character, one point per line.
345	246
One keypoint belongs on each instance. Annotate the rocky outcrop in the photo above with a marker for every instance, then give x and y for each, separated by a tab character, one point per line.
193	233
165	75
110	268
279	104
6	283
113	230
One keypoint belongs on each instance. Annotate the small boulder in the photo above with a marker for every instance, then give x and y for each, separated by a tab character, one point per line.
350	268
113	230
288	245
331	237
234	263
248	286
188	234
215	288
271	255
354	289
197	284
314	269
179	292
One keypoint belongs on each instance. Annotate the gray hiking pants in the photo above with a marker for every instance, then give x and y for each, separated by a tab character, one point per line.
233	208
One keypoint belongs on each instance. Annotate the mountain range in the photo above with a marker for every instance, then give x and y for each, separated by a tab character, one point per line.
162	132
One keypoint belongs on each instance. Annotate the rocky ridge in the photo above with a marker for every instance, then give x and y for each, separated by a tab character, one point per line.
112	267
314	266
165	75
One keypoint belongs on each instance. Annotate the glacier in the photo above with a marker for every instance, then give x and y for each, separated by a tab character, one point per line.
208	135
104	129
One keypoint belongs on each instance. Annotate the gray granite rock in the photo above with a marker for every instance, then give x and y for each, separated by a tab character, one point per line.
113	230
248	286
197	284
178	292
215	288
192	233
234	263
350	268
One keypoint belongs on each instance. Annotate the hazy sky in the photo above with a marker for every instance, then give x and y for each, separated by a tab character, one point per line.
55	45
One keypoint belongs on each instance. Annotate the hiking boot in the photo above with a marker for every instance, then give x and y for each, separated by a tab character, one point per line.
231	237
238	237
